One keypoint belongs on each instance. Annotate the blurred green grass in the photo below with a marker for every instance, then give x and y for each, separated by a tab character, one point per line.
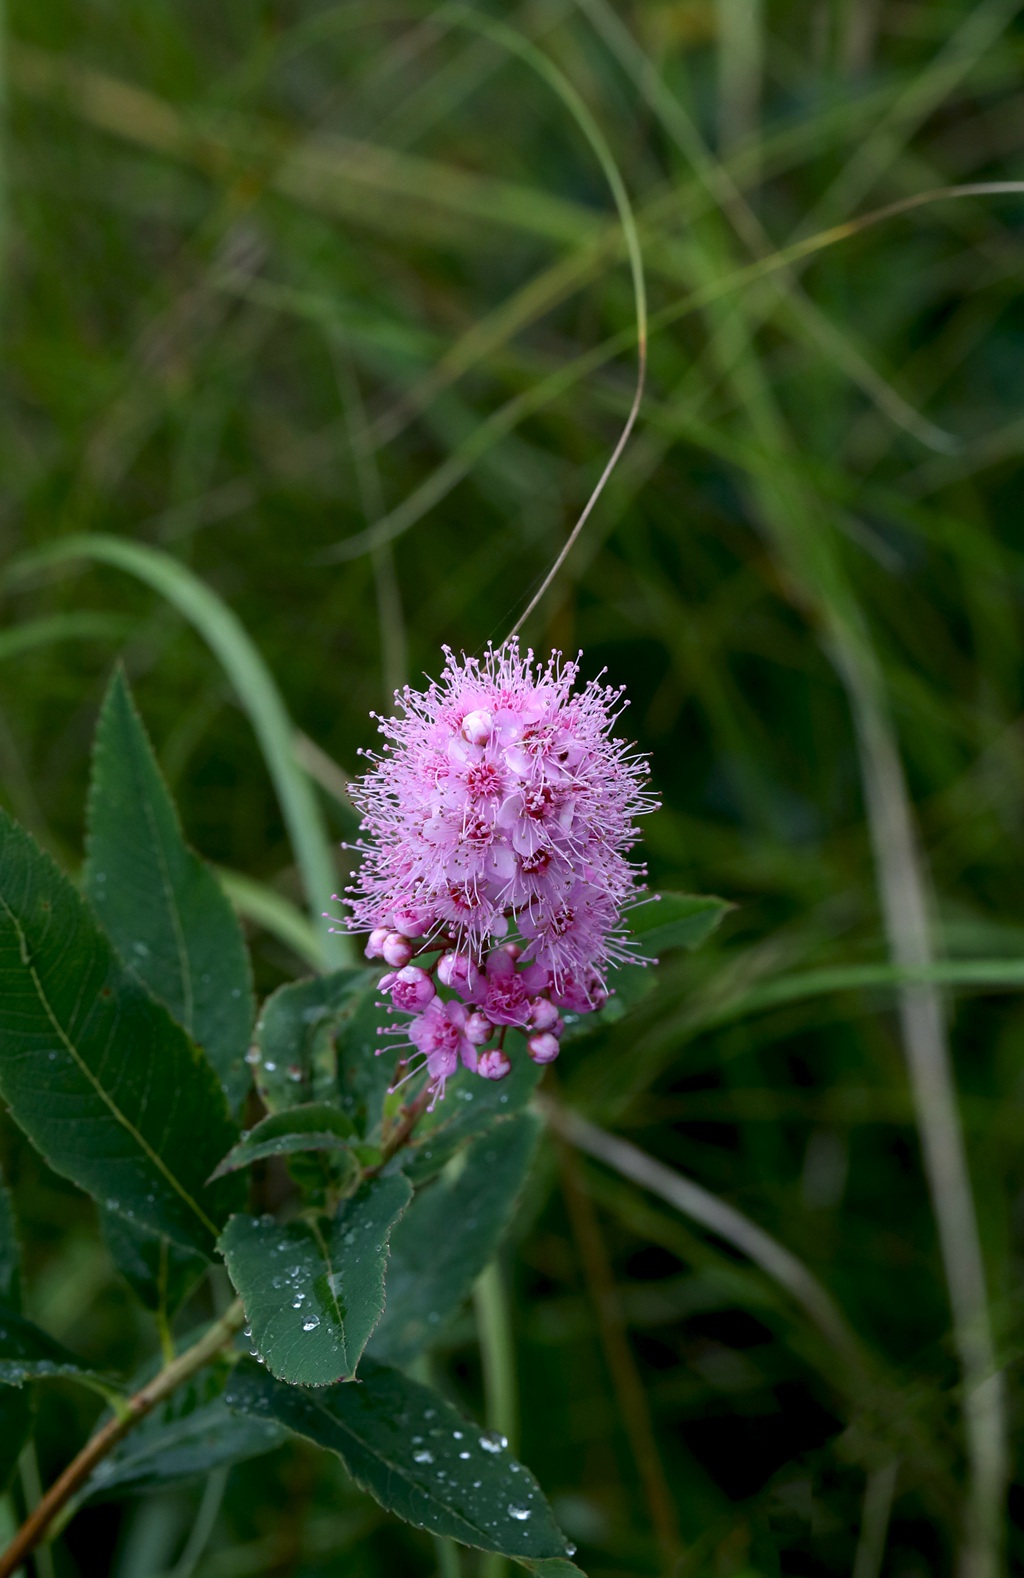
274	273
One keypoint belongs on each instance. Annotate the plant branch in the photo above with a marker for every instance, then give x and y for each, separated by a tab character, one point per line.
35	1527
408	1117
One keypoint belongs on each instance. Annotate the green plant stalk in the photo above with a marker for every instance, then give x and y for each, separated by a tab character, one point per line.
902	891
32	1489
230	642
874	1524
263	907
803	540
740	26
202	1529
497	1352
34	1530
497	1356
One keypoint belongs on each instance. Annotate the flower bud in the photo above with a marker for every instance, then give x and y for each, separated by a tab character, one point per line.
479	1029
543	1048
494	1064
375	946
397	950
477	727
545	1016
459	972
412	920
411	989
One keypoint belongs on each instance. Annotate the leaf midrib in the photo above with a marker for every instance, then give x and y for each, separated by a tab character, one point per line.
404	1473
321	1243
73	1052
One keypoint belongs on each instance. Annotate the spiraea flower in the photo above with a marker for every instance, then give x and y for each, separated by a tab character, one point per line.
498	818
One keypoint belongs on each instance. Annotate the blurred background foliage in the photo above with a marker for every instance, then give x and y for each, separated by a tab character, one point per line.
274	273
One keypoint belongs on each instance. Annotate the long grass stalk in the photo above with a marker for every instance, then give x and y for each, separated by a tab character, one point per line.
902	888
231	643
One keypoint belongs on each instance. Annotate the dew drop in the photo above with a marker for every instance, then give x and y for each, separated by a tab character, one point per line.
423	1457
311	1323
464	1455
519	1513
298	1301
493	1443
271	1068
570	1549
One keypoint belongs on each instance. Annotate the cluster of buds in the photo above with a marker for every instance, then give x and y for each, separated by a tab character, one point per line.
469	1027
499	812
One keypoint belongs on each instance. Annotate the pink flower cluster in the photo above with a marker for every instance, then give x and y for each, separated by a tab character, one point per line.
500	811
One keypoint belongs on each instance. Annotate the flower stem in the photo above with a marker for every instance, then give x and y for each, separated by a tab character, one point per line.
36	1525
408	1117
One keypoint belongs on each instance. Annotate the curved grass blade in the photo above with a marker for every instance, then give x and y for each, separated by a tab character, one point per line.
416	1455
263	907
225	634
160	905
313	1290
94	1070
49	628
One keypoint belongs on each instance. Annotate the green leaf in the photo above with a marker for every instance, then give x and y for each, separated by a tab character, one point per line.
676	920
366	1060
16	1409
15	1405
10	1253
415	1454
94	1070
448	1235
191	1434
163	909
314	1127
158	1272
297	1032
27	1353
313	1290
554	1567
244	665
